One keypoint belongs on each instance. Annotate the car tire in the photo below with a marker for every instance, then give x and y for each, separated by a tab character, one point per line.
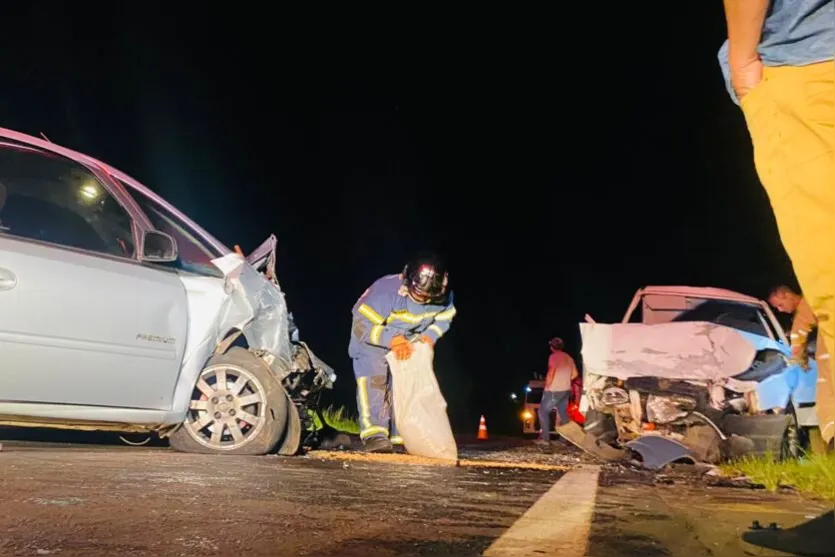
292	441
237	394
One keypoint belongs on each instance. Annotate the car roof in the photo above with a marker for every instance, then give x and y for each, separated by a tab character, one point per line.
701	292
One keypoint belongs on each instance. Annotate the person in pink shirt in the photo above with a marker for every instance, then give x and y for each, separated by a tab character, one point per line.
561	371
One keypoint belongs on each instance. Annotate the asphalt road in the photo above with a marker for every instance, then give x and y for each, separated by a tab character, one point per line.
73	500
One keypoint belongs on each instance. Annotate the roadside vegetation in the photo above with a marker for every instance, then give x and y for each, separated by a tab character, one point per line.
339	419
812	474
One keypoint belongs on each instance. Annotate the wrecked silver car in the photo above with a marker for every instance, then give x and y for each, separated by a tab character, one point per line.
701	373
117	312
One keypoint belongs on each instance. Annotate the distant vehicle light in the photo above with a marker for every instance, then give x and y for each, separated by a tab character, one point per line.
512	396
527	389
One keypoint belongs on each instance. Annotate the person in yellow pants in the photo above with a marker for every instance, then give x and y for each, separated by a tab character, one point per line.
778	64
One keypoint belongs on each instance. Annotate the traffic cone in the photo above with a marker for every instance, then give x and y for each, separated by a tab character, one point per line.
482	430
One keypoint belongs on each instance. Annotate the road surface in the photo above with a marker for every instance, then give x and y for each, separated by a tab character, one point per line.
74	500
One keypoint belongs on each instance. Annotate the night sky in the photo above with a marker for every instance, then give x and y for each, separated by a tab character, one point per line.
560	159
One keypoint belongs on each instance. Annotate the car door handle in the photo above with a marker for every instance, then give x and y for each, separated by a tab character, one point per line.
8	280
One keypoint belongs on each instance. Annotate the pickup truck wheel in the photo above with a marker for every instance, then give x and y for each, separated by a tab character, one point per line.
237	407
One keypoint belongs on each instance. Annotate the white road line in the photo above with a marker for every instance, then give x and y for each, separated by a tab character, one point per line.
557	524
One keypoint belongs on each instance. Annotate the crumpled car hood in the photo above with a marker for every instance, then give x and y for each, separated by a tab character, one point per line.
254	305
689	351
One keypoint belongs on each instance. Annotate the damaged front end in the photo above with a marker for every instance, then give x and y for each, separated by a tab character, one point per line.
250	311
276	337
682	382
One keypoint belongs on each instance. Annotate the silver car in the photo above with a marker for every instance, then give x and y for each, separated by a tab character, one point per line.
119	313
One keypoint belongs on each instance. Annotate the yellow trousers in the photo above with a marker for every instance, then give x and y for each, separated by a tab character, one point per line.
791	118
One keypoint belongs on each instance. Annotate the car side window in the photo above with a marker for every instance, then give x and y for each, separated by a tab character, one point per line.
50	198
195	255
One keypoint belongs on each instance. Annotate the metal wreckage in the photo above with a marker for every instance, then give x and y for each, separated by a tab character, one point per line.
692	374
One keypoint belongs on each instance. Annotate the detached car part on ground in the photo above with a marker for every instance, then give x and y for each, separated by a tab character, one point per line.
119	313
698	373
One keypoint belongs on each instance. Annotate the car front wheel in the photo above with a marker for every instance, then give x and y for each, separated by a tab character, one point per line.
237	407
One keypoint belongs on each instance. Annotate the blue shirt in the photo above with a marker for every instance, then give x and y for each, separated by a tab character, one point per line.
385	311
795	33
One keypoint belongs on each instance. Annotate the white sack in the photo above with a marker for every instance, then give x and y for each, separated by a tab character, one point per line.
419	407
685	351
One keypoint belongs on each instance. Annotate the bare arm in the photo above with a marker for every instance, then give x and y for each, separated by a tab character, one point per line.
745	19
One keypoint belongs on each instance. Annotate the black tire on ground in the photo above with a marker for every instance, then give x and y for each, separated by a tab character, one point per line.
292	441
261	437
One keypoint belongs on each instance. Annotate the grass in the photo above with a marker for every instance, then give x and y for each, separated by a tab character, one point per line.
339	419
812	474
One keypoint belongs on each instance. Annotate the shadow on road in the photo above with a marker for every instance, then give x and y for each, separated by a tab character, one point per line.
815	537
68	436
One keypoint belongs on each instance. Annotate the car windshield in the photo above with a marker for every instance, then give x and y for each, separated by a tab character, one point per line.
730	314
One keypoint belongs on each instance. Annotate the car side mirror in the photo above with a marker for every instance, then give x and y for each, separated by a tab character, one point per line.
158	247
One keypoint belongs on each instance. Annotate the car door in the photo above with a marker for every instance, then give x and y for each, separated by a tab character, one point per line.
82	322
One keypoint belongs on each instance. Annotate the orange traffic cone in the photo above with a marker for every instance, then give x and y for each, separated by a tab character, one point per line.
482	430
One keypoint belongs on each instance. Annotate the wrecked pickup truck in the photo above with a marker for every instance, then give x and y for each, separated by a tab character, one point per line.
119	313
702	372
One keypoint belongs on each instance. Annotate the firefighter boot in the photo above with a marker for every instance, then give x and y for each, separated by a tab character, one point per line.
378	444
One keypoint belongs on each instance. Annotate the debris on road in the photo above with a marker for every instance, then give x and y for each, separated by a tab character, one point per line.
423	461
657	452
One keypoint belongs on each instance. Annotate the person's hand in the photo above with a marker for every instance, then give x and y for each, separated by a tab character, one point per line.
428	340
801	361
746	73
401	347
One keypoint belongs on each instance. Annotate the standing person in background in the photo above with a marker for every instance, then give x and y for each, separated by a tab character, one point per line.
561	371
786	300
778	66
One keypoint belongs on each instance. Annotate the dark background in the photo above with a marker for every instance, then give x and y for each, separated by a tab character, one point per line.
561	159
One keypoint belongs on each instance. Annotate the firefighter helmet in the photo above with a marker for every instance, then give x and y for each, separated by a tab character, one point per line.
426	278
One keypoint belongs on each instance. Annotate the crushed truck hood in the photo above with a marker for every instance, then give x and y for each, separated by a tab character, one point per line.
690	351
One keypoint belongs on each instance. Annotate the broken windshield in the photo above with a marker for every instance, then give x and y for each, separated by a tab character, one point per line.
730	314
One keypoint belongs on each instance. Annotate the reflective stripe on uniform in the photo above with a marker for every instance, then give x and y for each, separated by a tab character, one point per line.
365	407
446	315
373	430
370	314
374	335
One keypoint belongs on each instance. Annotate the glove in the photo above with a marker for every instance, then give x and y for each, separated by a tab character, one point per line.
428	340
401	347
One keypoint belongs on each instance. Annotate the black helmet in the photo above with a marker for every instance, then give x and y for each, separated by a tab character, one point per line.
427	278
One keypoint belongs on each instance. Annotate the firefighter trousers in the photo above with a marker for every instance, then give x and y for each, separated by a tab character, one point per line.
374	397
791	119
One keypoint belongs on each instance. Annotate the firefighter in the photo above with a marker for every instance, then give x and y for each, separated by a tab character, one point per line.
396	311
786	300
